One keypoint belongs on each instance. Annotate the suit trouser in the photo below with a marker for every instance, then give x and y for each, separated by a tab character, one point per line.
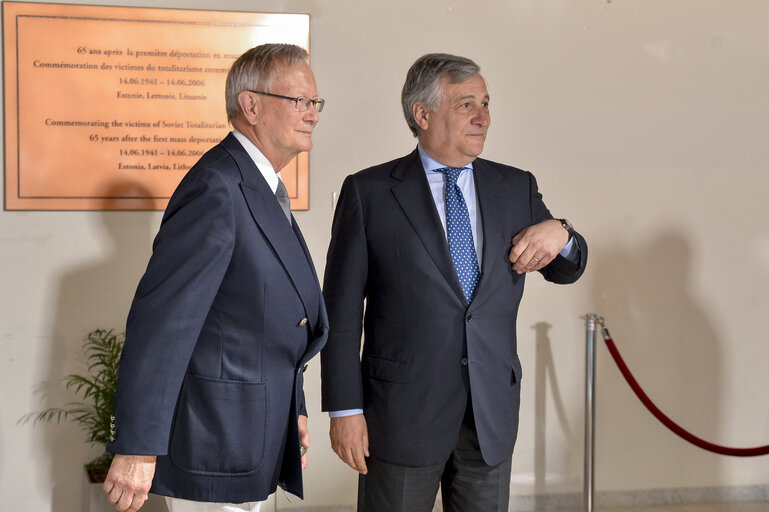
467	483
180	505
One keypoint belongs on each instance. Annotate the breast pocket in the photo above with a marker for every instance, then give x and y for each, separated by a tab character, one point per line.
219	427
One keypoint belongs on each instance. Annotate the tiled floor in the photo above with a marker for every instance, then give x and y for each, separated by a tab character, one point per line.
741	506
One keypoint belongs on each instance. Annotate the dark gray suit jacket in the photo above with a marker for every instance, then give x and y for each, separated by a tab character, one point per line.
223	322
389	248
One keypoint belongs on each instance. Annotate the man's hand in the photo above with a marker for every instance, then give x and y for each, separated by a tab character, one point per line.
349	440
304	439
129	480
534	247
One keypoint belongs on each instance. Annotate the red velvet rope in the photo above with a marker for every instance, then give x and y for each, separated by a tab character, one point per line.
723	450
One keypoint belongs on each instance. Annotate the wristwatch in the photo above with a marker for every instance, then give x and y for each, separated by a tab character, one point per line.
567	226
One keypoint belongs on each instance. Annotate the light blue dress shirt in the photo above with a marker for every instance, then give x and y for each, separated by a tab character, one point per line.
466	183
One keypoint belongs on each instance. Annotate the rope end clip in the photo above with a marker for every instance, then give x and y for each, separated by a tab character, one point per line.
604	330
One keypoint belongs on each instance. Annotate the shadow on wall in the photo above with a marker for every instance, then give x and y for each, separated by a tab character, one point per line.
95	293
647	297
545	378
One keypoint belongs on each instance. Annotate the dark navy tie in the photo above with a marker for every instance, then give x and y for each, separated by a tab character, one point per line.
460	233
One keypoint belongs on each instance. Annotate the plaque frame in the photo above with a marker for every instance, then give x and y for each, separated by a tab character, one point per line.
106	108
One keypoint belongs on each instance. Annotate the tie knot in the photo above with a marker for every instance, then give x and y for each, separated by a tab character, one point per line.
281	194
281	190
452	173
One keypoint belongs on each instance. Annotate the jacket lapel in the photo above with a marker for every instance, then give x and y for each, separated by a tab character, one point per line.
415	199
321	326
271	220
491	205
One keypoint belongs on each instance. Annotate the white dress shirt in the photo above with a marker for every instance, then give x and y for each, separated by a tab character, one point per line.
264	165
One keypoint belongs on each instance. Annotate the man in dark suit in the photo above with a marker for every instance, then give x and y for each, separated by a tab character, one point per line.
438	244
209	399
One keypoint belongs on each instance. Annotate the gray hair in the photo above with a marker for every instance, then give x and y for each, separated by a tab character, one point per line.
423	81
256	69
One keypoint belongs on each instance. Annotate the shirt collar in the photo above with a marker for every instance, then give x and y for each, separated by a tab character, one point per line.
430	164
264	165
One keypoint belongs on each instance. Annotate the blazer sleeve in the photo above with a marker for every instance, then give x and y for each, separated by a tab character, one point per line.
560	270
191	254
344	290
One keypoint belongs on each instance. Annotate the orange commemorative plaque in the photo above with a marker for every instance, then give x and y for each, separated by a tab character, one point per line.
106	108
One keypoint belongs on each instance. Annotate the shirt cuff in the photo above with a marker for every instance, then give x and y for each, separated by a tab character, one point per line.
570	251
346	412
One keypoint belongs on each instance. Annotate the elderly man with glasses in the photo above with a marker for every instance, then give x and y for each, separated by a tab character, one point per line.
210	409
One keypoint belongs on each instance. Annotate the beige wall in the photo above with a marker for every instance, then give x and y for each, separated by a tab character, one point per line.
644	122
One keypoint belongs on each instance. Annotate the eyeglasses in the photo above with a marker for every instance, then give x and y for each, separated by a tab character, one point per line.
301	104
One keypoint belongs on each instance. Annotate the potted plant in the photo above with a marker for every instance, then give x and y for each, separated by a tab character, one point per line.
102	350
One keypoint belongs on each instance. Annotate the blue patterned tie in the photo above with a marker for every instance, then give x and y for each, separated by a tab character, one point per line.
460	234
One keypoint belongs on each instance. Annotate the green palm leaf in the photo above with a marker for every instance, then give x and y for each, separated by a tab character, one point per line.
102	349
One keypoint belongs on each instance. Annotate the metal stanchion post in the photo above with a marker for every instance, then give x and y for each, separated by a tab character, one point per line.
590	331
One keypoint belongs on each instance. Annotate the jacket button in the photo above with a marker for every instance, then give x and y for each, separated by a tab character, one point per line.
463	361
469	317
303	322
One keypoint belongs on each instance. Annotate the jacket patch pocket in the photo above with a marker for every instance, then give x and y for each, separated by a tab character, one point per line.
517	371
387	369
219	427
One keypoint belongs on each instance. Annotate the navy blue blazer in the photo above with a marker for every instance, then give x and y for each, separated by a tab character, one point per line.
224	319
426	350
